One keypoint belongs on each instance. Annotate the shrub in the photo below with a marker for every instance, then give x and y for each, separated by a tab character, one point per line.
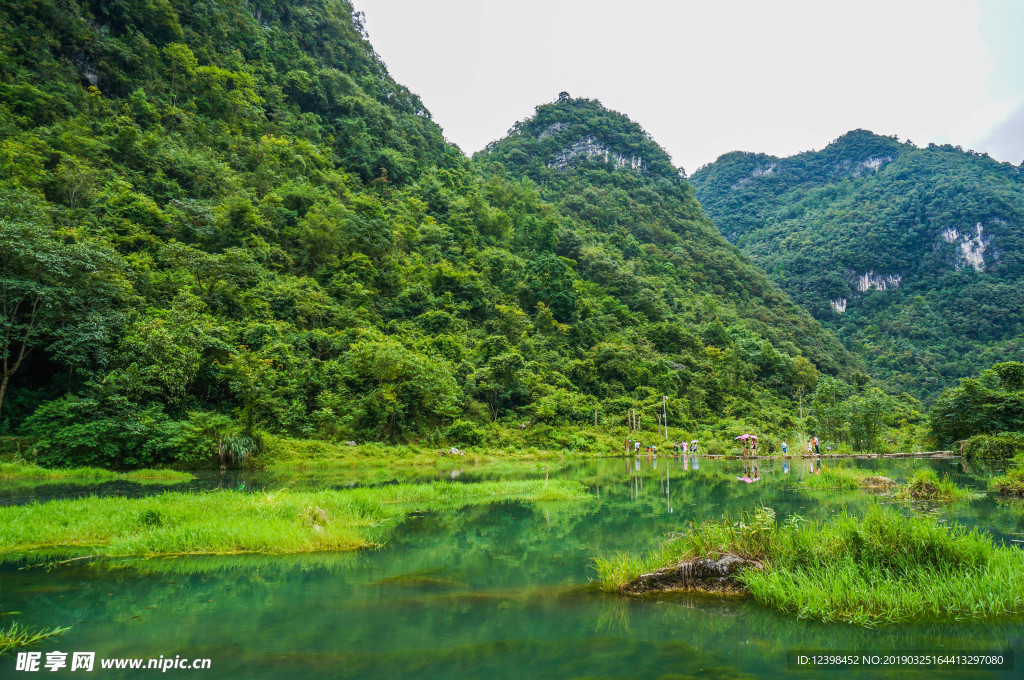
715	448
111	433
464	432
926	485
195	440
995	446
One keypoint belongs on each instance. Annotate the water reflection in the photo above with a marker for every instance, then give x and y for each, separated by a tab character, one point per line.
498	591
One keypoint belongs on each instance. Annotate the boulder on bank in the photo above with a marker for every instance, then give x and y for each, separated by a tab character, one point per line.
699	574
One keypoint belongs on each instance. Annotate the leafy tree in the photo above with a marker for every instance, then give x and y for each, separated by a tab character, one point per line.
395	389
57	290
868	413
991	403
829	406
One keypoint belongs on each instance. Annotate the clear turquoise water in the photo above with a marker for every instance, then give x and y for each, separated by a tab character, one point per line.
499	591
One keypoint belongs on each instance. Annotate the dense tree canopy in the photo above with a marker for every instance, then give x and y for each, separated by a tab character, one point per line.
991	403
915	257
226	218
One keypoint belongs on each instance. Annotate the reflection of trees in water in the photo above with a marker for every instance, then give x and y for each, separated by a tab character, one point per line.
491	591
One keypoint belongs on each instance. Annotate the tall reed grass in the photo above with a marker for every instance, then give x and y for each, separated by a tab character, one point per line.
879	570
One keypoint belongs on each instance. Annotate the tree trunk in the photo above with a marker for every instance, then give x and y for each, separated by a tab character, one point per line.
3	391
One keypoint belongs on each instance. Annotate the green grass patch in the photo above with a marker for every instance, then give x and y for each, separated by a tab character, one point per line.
1011	483
842	478
234	522
15	636
882	569
494	443
925	485
29	471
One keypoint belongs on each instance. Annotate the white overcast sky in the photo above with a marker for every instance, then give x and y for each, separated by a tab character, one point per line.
711	76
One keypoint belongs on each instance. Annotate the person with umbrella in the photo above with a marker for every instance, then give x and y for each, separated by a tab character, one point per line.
746	438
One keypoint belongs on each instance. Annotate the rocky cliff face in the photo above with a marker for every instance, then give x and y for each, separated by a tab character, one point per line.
593	148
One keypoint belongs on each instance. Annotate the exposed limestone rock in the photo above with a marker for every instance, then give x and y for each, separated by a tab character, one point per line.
839	305
973	249
869	280
868	166
591	147
972	245
697	574
759	171
87	69
550	130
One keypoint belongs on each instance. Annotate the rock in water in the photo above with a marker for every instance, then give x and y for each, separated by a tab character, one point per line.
315	516
878	482
696	574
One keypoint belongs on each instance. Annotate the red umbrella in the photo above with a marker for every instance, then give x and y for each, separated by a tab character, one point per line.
746	436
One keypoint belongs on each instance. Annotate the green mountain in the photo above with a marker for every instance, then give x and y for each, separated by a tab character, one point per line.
224	219
638	232
915	257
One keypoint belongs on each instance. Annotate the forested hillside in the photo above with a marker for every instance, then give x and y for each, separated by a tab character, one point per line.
218	220
914	257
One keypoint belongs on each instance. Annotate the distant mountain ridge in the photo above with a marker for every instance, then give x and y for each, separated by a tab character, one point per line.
913	255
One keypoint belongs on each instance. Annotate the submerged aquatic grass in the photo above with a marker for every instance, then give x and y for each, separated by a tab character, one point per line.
28	471
234	522
926	485
879	570
16	636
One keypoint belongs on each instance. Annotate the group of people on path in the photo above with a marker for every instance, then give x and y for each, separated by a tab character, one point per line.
650	450
678	447
750	447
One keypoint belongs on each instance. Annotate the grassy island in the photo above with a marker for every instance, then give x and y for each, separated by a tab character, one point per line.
843	478
27	471
235	522
925	485
1012	482
882	569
